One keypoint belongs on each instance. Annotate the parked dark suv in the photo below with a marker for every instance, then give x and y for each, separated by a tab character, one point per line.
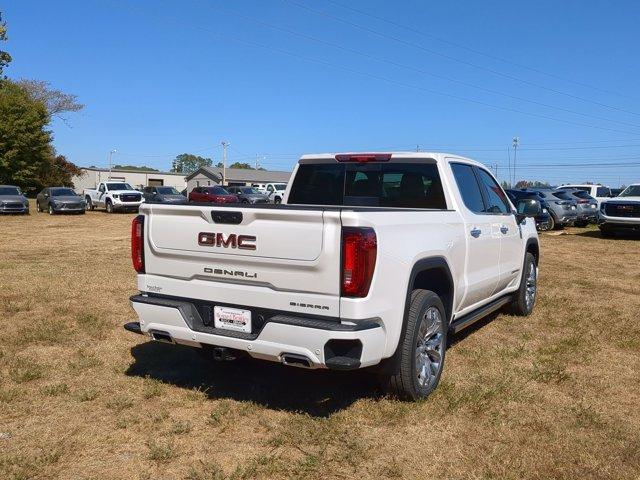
520	197
587	207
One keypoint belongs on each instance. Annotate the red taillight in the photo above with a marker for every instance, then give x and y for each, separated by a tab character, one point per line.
363	157
359	250
583	201
137	243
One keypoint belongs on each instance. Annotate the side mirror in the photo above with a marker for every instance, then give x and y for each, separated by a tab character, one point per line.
527	208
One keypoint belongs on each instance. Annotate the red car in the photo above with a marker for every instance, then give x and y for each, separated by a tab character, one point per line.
212	195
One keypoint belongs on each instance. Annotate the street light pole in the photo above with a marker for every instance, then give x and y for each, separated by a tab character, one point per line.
224	162
516	141
110	163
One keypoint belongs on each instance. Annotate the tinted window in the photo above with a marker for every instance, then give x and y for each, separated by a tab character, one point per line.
562	195
249	190
167	191
119	186
217	191
468	186
393	184
9	191
62	192
280	187
318	184
582	194
496	199
602	192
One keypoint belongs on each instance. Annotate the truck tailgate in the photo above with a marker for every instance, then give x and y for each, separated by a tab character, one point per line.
284	249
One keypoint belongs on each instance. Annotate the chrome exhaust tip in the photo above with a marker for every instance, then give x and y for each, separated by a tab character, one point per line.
295	360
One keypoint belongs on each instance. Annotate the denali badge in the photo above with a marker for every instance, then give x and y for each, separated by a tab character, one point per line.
242	242
230	273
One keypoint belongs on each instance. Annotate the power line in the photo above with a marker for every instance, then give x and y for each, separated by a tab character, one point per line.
477	52
415	69
452	58
388	80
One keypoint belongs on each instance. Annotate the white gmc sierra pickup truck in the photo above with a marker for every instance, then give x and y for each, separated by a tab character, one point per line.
371	260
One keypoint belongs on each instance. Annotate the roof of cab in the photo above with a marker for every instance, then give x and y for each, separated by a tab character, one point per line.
394	156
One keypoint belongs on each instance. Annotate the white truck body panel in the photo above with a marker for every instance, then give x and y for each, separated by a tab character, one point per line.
296	266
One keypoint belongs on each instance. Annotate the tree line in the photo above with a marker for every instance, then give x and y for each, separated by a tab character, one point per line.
28	158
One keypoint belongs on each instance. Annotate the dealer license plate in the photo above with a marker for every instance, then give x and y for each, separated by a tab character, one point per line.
235	319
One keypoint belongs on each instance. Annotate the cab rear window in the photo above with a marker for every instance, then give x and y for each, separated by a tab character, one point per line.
394	184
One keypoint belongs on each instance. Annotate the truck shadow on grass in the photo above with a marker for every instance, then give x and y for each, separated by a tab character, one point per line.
318	393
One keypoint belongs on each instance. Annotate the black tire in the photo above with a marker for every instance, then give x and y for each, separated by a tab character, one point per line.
521	305
108	206
38	208
402	378
277	201
51	210
556	225
552	223
88	203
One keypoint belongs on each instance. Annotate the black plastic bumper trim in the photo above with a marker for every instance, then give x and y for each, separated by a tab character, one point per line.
133	327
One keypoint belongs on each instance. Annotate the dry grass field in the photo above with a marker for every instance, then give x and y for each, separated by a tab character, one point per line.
555	395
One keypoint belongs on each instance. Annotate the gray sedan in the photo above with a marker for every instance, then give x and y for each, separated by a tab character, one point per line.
59	200
12	200
248	195
163	195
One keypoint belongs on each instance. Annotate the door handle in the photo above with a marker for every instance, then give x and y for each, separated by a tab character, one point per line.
475	233
504	230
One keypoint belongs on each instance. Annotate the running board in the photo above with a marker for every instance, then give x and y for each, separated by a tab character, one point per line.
471	318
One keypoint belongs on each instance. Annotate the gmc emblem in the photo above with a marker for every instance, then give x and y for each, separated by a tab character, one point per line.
242	242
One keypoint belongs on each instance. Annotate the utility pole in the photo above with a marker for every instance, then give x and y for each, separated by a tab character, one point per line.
257	161
516	142
417	148
224	162
110	163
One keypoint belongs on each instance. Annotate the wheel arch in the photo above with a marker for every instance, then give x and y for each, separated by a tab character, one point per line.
430	273
533	248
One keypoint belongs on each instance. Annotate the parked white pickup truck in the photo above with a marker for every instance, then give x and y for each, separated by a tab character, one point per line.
275	191
113	196
372	260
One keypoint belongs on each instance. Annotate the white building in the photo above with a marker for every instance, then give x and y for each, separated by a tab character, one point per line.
91	177
206	176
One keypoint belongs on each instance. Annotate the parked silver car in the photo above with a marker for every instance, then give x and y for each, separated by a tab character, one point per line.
59	200
587	207
163	194
12	200
248	195
562	208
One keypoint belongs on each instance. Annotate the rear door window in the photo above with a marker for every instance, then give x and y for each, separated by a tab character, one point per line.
468	186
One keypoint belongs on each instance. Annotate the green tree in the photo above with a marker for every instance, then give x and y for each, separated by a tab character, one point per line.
244	166
5	58
188	163
25	143
60	172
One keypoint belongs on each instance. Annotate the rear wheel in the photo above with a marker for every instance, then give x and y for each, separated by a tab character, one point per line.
417	366
525	297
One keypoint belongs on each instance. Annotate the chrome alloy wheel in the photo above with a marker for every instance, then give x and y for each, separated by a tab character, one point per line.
430	348
532	282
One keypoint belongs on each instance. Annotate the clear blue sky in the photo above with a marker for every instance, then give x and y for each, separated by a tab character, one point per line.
160	77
